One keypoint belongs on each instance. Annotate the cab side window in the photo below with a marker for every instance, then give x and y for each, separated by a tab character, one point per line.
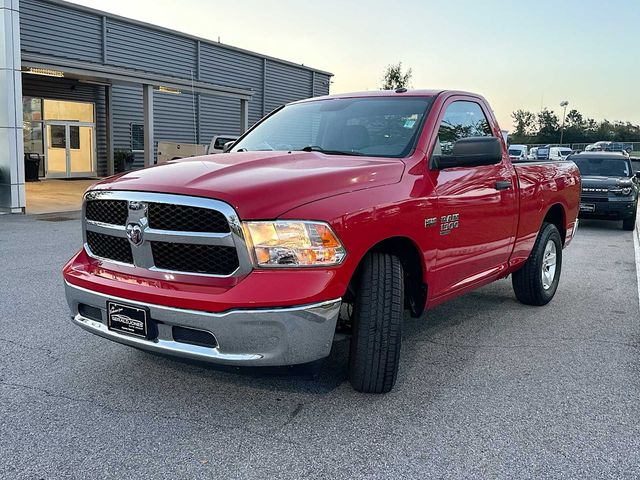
461	120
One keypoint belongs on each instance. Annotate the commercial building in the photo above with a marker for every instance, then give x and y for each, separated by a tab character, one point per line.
78	87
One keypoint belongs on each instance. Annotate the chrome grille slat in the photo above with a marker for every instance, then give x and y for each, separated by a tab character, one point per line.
219	253
106	229
198	238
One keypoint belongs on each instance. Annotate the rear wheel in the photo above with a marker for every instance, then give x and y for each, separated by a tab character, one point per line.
537	281
377	320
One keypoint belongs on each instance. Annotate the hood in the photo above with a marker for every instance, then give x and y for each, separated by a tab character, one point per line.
261	185
594	181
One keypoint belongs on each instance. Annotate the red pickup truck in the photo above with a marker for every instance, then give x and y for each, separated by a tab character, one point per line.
334	212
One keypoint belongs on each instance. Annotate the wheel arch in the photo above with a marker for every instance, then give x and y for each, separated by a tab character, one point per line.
557	216
413	267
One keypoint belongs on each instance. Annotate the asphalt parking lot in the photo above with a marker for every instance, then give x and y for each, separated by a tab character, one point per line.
487	387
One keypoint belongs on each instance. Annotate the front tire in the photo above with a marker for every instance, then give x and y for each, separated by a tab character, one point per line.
377	321
537	281
629	223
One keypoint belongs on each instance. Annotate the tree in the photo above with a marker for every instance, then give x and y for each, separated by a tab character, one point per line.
548	127
574	119
524	122
544	127
394	78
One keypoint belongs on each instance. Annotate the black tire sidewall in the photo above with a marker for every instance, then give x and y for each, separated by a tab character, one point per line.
550	232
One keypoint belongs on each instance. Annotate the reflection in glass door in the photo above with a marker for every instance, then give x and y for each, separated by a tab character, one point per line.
70	150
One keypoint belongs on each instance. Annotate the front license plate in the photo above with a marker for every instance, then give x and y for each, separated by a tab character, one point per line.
127	319
587	207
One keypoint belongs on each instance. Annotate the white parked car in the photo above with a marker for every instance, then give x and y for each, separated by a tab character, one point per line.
518	152
559	153
533	153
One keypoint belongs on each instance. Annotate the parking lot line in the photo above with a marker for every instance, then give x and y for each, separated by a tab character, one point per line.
636	249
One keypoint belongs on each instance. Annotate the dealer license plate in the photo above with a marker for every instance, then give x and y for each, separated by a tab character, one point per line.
587	207
127	319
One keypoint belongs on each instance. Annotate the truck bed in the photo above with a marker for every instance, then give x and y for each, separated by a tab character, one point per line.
541	184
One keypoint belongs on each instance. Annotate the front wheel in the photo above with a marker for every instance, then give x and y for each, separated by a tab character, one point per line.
537	281
629	223
377	319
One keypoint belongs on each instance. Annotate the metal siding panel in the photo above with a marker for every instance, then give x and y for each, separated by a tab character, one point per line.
64	89
222	66
219	116
285	84
141	48
321	85
127	109
60	31
174	118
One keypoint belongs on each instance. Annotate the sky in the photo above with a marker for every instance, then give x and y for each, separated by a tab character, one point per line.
518	54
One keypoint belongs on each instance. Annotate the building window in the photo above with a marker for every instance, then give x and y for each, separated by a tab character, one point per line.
137	136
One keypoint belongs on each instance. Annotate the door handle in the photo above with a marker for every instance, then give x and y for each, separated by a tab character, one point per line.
503	185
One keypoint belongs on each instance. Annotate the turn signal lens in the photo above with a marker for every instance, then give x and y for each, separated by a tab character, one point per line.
294	244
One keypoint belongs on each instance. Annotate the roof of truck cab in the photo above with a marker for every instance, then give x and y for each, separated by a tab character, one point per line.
386	93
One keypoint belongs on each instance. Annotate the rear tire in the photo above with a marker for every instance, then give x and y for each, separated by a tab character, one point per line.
537	281
377	320
629	223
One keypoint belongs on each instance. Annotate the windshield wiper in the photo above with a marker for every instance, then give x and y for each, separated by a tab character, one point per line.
317	148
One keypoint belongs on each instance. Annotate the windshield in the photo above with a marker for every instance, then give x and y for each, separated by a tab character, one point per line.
564	153
602	167
515	152
378	127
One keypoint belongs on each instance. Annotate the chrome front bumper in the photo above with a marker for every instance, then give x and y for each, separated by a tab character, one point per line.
275	336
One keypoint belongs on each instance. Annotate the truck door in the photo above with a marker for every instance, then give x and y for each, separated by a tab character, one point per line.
477	206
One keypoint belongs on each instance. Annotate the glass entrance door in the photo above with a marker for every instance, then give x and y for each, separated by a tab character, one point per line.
70	150
70	143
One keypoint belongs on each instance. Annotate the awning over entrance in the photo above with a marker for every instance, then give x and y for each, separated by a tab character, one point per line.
107	75
90	71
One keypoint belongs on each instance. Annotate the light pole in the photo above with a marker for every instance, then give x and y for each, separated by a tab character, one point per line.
563	104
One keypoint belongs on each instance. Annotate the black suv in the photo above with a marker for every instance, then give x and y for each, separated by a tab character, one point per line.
609	187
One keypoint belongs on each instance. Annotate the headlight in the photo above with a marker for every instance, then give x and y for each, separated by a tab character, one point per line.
294	244
621	190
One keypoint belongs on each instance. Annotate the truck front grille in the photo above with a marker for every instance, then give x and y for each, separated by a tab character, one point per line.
109	247
195	258
113	212
165	233
166	216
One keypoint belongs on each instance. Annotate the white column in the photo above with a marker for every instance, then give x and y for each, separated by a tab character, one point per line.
244	115
147	100
12	195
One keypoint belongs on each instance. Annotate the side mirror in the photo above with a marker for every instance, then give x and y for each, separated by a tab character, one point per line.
471	152
637	174
227	146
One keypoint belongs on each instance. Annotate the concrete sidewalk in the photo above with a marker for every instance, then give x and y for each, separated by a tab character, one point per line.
51	196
